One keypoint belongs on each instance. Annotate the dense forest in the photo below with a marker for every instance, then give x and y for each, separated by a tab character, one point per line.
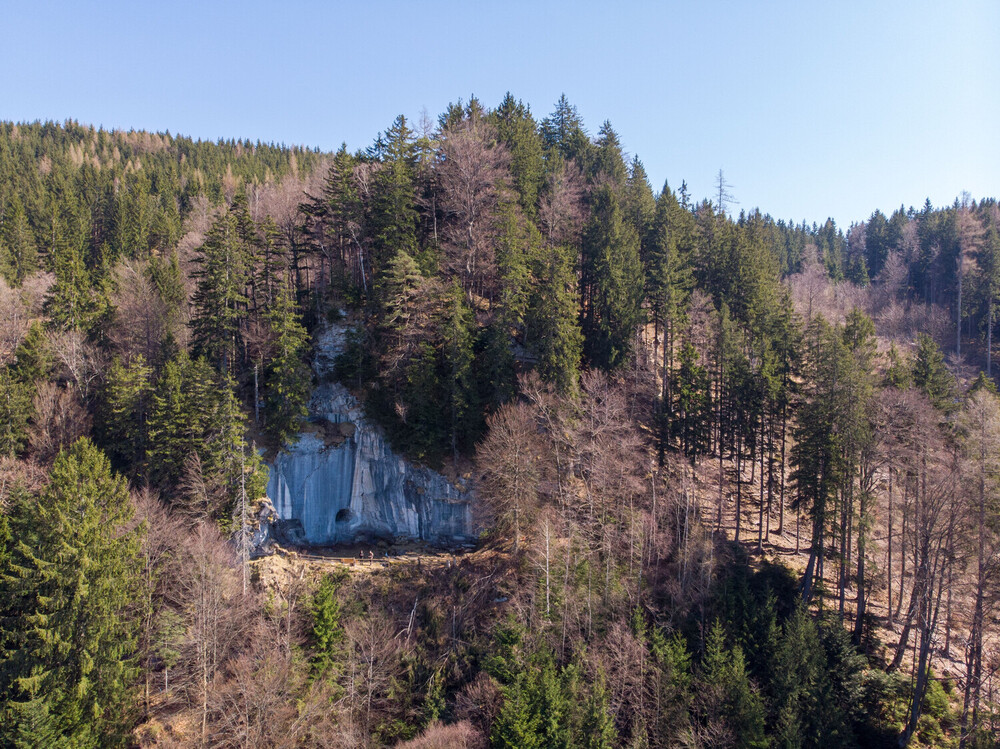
739	477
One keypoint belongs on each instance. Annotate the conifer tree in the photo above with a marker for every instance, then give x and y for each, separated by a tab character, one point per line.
800	686
329	638
876	242
195	412
516	128
517	725
608	165
220	298
612	283
18	253
287	376
123	423
639	205
692	412
71	304
552	706
68	589
15	410
563	133
457	357
598	729
552	328
33	360
393	211
988	261
816	454
932	376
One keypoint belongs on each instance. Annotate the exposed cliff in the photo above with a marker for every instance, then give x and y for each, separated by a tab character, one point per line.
341	481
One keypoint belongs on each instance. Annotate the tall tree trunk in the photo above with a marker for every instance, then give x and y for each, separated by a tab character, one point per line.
888	566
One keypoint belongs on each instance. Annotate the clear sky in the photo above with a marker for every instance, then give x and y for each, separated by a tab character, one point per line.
812	109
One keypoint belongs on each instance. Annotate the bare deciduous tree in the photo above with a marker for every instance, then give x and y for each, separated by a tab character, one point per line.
562	210
140	321
14	322
981	424
509	483
59	420
473	176
373	648
82	362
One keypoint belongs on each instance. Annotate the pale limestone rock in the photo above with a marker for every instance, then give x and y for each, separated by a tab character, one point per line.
356	487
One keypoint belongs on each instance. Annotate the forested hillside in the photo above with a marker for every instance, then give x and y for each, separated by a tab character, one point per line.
739	477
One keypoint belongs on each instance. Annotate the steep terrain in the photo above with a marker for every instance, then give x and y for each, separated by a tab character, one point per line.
341	482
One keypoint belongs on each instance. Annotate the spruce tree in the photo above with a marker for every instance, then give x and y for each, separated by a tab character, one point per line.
516	128
608	165
552	327
124	414
15	411
33	359
456	333
328	636
692	411
71	304
18	253
612	283
195	412
68	591
598	729
288	380
932	376
551	705
988	281
220	298
517	726
563	133
393	210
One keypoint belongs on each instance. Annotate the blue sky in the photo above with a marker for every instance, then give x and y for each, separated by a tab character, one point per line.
811	109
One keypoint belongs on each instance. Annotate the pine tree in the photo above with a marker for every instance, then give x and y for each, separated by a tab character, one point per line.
68	588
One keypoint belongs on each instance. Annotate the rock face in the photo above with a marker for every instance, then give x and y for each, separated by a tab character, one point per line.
341	482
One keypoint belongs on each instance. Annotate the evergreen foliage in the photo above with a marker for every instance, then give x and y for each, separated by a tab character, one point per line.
519	305
69	579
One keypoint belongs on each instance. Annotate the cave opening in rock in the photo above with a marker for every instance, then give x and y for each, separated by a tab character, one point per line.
343	515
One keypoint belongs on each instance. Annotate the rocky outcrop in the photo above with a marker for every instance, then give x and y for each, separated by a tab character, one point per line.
342	482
